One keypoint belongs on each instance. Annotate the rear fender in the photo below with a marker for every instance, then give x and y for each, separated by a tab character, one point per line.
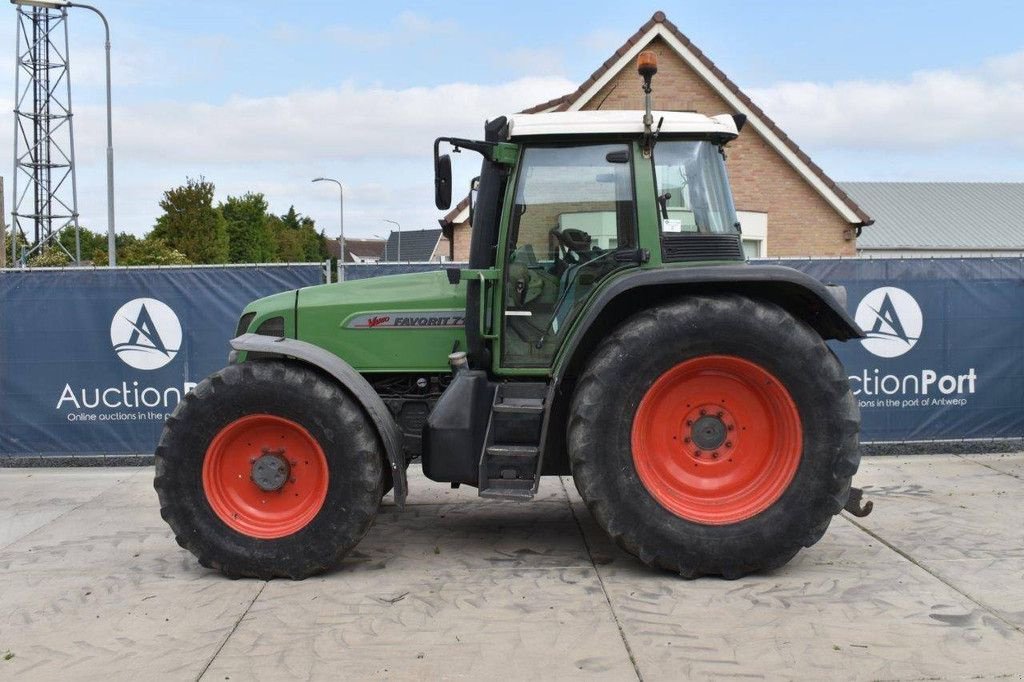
352	381
820	306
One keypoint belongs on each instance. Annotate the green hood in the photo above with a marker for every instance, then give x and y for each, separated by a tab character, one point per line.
398	323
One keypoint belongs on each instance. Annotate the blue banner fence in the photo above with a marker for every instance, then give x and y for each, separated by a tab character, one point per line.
92	361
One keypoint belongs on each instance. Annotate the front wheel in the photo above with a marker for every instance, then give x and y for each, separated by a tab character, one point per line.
731	441
267	469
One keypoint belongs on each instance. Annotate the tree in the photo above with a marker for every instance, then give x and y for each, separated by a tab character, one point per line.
50	258
91	241
190	223
147	251
297	239
249	237
291	219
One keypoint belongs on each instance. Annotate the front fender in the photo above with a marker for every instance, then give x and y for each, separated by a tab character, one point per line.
353	382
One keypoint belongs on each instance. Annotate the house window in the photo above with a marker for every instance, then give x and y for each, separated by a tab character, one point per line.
754	228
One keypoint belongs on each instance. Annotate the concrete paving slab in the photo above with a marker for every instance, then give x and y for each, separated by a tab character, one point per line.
102	591
427	624
424	491
821	617
31	498
945	508
464	589
959	518
1011	464
456	586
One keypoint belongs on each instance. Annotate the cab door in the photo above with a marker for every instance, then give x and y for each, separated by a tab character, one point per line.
571	220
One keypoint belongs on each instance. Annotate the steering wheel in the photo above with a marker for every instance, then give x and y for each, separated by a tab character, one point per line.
574	243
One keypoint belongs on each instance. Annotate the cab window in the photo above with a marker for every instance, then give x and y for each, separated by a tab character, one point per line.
693	188
573	211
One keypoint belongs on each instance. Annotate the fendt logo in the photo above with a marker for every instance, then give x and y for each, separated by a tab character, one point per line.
145	333
892	321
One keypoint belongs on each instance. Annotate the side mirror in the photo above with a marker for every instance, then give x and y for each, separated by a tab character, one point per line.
443	182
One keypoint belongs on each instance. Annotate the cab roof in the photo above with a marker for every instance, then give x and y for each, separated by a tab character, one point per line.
608	122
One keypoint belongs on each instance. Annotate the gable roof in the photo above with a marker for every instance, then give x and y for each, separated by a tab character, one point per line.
960	216
364	248
659	26
417	246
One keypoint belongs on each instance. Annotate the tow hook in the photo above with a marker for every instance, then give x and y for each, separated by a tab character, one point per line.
854	506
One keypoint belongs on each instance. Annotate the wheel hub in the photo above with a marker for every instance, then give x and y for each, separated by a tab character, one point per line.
708	432
270	471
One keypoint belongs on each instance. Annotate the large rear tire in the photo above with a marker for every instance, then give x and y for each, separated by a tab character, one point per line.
267	469
714	436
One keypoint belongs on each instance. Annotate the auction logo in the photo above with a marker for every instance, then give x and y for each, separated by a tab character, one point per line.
145	333
892	321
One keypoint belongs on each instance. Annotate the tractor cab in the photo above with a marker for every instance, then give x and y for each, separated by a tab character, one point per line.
567	200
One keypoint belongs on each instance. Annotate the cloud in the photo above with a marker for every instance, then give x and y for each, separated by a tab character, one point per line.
532	61
603	40
346	122
407	27
929	111
376	139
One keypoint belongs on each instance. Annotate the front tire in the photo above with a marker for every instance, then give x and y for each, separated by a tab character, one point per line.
731	440
267	469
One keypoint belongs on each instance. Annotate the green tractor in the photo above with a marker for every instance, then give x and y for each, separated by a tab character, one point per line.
608	327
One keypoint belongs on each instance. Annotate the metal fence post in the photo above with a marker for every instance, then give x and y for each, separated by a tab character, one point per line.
3	228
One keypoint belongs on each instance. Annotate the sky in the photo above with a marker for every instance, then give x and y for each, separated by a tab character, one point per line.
264	96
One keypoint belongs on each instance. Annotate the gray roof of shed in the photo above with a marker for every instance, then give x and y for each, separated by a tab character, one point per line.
417	246
941	215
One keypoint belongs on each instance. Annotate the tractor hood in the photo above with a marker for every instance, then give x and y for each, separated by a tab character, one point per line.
398	323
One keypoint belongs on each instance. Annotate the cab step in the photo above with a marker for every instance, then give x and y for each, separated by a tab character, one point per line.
510	461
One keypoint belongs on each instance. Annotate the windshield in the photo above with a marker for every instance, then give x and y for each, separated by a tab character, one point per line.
693	188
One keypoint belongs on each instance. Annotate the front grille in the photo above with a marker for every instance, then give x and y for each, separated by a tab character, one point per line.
676	248
271	327
243	323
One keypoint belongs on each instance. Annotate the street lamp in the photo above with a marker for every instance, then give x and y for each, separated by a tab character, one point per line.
64	4
396	223
341	225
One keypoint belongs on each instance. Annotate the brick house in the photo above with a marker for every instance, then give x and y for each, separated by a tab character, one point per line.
787	205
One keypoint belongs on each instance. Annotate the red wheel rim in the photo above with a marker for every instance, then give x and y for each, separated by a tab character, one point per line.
717	439
229	476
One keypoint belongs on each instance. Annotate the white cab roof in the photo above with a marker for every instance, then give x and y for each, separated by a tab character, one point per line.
617	122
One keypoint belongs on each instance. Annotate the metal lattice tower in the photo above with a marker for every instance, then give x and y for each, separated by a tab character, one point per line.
45	190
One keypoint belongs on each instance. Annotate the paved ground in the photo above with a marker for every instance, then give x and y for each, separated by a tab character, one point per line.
930	586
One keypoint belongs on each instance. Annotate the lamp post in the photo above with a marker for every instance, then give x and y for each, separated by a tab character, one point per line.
396	223
63	4
341	225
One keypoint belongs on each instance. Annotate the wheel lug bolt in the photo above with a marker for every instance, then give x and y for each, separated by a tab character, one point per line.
703	412
689	422
719	415
731	427
686	440
698	453
714	455
728	443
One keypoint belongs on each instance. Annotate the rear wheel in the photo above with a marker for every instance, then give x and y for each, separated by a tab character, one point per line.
731	441
266	469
